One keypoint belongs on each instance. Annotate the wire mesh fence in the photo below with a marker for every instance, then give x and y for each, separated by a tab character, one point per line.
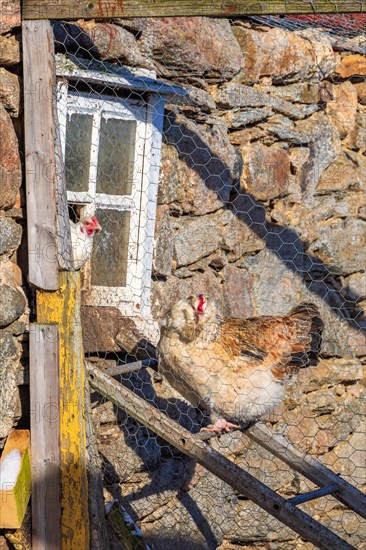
215	174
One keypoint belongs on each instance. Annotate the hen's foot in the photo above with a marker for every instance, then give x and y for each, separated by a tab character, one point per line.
220	426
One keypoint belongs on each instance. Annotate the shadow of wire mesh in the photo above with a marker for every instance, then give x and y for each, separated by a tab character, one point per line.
260	204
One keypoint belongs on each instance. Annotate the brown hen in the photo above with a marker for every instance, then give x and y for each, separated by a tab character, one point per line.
234	368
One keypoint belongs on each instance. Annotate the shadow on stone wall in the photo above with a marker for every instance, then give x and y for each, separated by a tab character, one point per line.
283	241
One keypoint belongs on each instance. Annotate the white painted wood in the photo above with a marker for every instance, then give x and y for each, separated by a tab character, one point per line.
38	71
96	72
155	120
63	232
134	298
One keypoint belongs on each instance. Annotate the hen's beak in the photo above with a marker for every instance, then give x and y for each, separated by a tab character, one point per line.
98	227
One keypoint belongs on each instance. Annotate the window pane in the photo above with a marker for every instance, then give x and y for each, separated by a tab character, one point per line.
77	151
116	156
110	249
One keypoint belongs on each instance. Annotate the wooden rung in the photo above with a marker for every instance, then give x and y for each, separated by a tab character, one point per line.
308	466
312	495
212	460
126	368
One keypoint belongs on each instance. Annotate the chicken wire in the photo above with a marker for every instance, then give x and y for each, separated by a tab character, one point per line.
217	231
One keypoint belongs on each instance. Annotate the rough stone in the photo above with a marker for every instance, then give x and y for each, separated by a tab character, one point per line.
199	166
284	56
238	239
114	43
266	173
238	287
195	238
352	65
12	298
275	289
306	218
9	51
235	96
196	98
164	243
357	138
9	395
243	118
361	91
10	235
319	134
9	91
10	15
356	283
345	173
341	245
10	166
191	47
342	109
329	373
107	329
300	92
247	135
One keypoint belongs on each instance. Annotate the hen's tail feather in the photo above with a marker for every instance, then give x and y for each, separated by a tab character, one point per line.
309	326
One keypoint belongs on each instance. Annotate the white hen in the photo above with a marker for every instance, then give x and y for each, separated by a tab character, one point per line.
82	235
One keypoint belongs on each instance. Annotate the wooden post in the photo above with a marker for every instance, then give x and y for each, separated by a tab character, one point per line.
63	307
72	9
45	437
212	460
38	60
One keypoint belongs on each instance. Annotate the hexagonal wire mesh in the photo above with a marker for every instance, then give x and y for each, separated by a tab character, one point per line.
253	198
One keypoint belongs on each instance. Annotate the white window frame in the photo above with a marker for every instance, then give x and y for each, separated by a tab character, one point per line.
134	298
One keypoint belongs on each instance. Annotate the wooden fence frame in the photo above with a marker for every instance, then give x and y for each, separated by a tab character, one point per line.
105	9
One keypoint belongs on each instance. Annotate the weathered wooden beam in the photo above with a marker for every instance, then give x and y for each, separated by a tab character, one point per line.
308	466
105	9
216	463
63	307
38	59
98	527
45	436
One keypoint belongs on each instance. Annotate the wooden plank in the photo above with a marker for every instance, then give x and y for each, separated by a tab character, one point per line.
216	463
38	58
308	466
99	538
63	307
45	437
104	9
14	496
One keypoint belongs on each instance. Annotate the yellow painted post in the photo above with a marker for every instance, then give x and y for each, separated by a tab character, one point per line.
63	307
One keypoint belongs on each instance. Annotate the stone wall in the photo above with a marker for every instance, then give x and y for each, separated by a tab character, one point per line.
14	311
261	204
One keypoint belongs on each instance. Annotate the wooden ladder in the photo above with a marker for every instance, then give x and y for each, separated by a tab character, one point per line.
195	446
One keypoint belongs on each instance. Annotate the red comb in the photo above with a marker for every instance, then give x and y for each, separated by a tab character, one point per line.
201	302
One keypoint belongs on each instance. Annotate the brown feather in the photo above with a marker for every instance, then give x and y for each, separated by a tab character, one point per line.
234	367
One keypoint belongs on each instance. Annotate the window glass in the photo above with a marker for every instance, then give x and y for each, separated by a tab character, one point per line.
110	248
116	156
77	151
